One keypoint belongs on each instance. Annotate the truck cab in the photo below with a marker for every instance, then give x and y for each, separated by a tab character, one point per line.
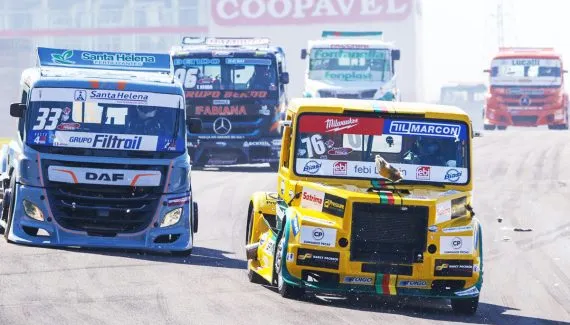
372	197
357	65
526	89
468	96
100	157
237	87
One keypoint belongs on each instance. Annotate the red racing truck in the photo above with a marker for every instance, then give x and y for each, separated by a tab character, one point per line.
526	88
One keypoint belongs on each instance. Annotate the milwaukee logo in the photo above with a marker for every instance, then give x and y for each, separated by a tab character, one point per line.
333	125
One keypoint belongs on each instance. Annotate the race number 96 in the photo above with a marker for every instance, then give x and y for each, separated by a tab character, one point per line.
188	77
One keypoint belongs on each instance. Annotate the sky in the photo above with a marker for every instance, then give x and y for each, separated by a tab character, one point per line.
460	36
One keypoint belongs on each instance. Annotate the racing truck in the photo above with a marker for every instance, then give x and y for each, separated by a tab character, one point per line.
100	157
468	96
373	197
237	87
344	64
526	89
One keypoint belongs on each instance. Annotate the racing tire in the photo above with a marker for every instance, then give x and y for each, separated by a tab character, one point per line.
558	127
501	127
255	278
466	306
285	290
184	253
489	127
10	209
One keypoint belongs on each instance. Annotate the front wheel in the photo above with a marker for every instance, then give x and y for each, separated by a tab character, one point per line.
285	290
466	306
489	127
502	127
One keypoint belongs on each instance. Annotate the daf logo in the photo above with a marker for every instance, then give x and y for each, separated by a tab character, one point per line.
525	101
222	126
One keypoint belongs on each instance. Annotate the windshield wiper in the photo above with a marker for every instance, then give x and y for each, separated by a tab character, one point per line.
176	122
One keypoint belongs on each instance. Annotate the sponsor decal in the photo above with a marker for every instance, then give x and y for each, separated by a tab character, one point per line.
221	102
305	12
475	268
329	143
318	236
290	257
270	246
457	229
68	126
105	141
423	173
412	284
459	268
80	95
339	124
119	177
334	205
453	175
316	258
280	211
295	225
447	130
118	96
312	167
473	291
358	280
276	142
256	143
458	208
264	110
232	110
386	284
228	94
339	151
312	199
443	211
340	168
456	245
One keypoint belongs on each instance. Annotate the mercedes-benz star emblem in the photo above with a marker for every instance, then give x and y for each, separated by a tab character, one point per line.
525	101
222	126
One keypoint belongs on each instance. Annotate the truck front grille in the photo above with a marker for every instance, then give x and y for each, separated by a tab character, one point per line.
388	234
101	210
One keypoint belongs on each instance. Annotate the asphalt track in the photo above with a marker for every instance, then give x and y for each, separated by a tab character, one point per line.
522	178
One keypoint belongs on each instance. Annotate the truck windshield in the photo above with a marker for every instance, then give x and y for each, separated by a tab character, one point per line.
350	64
102	119
526	71
341	146
201	71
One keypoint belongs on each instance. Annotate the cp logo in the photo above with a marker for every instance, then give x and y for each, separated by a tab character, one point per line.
318	234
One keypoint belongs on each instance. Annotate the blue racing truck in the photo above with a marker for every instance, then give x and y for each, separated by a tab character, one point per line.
100	159
236	86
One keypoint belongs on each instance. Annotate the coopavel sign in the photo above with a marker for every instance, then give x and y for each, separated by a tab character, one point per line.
286	12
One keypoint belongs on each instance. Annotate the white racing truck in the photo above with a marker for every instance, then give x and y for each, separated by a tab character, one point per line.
359	65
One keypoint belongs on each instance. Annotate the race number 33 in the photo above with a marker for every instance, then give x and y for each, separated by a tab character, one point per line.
188	77
48	118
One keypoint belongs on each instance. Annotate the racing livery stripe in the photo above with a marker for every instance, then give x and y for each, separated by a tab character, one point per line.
386	284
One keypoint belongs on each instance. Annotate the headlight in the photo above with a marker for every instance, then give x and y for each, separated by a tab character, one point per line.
171	218
32	210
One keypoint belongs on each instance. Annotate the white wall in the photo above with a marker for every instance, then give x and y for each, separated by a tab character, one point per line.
291	23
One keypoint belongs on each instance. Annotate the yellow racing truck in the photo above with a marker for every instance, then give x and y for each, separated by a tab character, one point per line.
374	198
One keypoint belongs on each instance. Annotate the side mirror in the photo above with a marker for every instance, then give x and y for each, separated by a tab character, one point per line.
194	125
395	55
303	54
284	78
487	70
17	109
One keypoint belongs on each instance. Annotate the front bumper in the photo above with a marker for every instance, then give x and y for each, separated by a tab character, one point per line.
230	152
508	117
421	281
177	237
